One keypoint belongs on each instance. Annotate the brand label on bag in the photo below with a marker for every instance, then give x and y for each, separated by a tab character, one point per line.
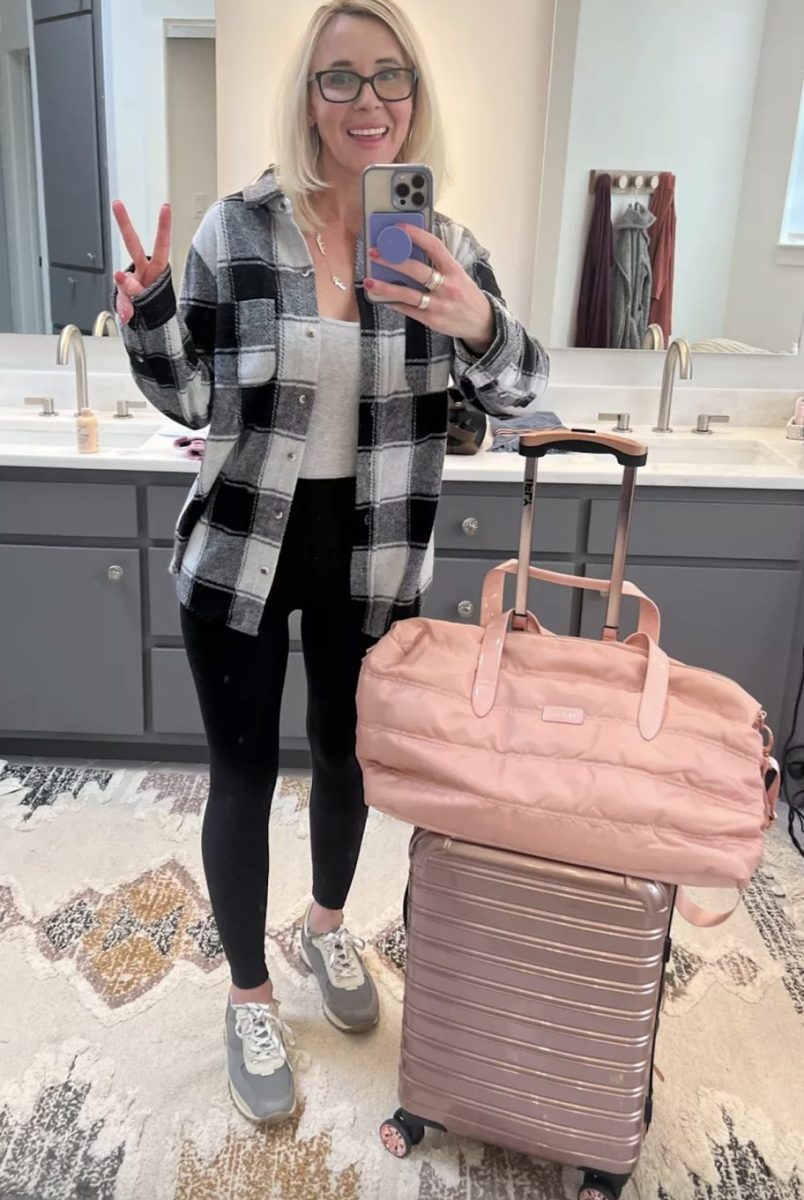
563	716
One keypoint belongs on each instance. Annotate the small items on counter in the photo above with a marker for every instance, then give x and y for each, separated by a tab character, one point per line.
795	426
86	430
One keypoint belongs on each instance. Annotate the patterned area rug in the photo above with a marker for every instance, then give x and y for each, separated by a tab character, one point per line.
113	987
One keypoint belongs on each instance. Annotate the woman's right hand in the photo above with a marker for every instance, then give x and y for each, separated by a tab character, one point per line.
146	270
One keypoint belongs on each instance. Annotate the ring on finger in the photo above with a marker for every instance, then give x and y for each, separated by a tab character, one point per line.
435	281
424	301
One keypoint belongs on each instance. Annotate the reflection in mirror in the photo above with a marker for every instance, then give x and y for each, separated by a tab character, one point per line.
709	97
101	98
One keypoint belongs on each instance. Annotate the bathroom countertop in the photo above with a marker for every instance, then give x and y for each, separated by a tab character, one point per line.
758	457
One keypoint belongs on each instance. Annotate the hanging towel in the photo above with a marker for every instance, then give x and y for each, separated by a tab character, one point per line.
594	302
632	277
663	253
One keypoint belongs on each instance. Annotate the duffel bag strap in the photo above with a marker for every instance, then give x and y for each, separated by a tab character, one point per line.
702	917
494	585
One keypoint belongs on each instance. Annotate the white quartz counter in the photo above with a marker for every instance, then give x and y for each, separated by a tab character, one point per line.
734	457
750	452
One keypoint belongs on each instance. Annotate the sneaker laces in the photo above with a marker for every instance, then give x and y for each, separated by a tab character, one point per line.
265	1031
341	948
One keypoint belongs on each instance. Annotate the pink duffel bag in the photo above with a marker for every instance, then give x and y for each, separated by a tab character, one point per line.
606	754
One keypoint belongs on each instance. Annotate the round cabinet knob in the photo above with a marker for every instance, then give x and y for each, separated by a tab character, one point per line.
114	573
466	608
470	526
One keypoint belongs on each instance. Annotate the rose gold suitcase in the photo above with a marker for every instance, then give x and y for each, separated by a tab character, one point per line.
533	988
531	1005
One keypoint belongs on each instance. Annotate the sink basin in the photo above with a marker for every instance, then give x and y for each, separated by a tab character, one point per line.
45	433
706	450
700	450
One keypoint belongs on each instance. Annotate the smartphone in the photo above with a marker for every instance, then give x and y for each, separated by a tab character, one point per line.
395	192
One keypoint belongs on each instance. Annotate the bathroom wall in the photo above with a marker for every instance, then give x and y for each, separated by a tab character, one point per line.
649	92
492	74
134	79
766	284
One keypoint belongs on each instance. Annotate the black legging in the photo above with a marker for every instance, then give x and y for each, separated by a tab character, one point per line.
239	680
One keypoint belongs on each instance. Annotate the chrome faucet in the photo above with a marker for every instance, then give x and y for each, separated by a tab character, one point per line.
104	325
653	338
70	337
677	352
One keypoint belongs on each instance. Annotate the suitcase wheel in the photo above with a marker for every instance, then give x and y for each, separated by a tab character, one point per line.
396	1139
596	1189
399	1136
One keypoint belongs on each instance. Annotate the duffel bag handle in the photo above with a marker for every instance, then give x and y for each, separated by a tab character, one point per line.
494	586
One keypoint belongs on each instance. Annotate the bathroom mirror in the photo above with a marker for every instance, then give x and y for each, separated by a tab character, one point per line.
98	99
711	93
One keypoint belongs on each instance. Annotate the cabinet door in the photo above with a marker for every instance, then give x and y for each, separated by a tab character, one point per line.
65	74
737	621
458	583
70	640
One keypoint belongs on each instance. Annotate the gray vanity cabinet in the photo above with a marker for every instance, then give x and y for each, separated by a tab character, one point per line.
90	640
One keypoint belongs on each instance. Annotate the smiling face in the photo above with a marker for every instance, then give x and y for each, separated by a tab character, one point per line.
365	130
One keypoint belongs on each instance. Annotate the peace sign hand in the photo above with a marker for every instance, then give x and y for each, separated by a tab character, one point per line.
146	271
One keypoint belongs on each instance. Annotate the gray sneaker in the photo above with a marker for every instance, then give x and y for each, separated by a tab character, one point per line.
260	1076
347	990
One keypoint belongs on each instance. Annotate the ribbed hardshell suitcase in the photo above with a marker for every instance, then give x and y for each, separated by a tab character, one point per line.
531	1005
533	987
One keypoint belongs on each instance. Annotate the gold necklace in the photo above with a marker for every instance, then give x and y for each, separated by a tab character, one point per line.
336	279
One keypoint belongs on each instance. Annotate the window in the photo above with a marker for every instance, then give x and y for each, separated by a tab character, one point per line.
793	224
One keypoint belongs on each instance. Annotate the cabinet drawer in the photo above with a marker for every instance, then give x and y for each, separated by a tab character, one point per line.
175	704
471	521
163	505
459	582
164	604
67	509
703	529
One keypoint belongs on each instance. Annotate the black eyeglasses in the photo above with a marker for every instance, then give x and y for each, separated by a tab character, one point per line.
342	87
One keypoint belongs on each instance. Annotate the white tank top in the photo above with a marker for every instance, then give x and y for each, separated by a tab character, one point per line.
331	448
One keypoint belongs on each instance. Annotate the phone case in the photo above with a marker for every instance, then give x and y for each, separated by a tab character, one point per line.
382	215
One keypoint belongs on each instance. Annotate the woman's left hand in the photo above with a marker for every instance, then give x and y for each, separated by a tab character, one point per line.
456	307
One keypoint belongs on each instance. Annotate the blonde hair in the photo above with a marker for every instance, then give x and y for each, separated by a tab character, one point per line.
298	143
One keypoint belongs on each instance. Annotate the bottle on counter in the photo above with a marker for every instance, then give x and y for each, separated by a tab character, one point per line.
86	429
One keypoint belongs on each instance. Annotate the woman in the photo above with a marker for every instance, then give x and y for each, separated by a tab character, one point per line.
317	491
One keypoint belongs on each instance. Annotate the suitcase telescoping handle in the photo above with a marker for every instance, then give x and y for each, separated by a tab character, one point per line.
631	455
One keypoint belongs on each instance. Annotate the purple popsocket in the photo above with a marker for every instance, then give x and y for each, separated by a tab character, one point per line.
394	244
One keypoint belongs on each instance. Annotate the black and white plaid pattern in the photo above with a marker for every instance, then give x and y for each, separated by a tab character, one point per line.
241	355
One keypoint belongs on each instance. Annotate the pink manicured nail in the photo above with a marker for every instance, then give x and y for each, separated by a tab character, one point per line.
369	283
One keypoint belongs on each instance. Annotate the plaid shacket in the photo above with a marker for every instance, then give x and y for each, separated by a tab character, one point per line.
240	353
